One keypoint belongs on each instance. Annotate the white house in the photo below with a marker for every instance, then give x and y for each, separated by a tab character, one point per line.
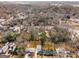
74	20
16	29
74	34
21	15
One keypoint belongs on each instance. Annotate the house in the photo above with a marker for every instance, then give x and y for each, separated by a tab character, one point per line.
21	16
2	21
60	50
47	34
74	20
16	29
74	34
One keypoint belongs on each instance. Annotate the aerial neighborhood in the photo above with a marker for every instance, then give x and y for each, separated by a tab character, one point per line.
39	30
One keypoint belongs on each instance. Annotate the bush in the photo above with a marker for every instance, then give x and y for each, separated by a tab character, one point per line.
10	37
42	37
61	35
21	51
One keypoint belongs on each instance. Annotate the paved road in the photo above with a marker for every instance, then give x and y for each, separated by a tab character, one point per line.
4	56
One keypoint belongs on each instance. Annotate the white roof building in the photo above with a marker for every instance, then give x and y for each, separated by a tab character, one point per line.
2	20
75	33
75	20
